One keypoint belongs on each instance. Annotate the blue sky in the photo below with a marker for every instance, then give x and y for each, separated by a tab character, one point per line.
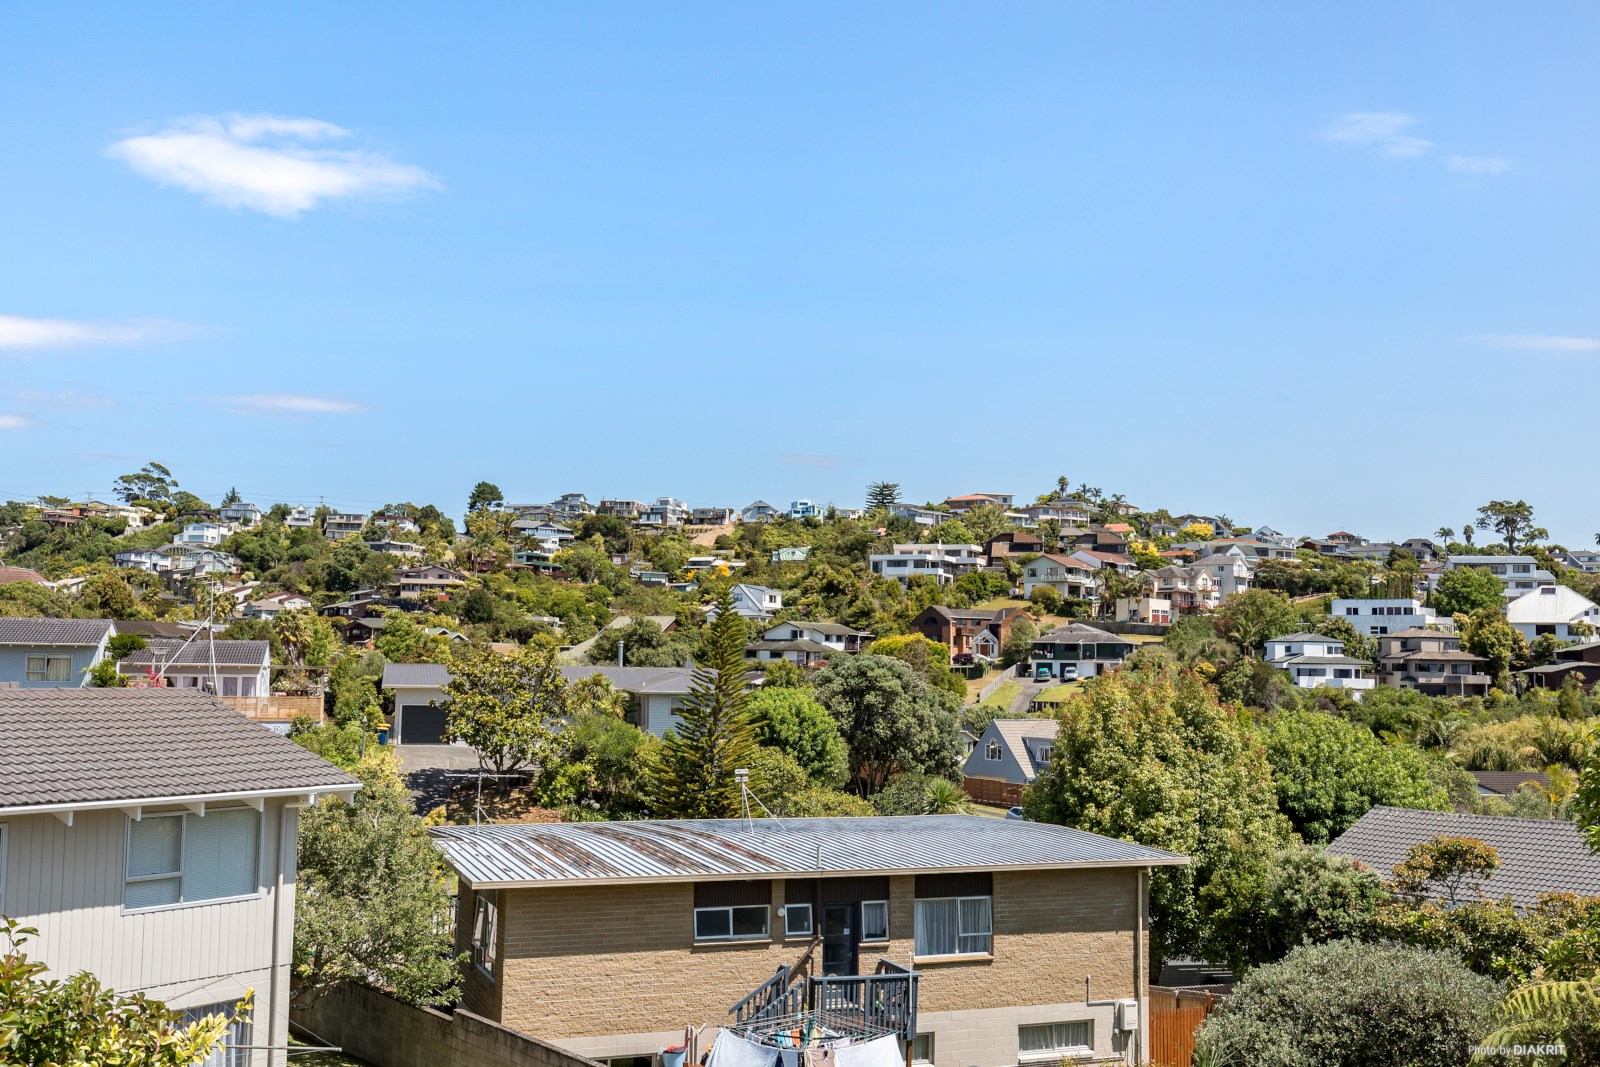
1317	268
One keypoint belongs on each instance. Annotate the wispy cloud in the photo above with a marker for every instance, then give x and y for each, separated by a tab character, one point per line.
814	462
1538	342
279	166
1478	164
1386	132
12	422
292	404
20	332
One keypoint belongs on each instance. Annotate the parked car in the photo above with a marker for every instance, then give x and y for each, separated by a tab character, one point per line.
1015	813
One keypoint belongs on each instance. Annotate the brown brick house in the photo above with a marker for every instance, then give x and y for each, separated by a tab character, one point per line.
609	939
960	628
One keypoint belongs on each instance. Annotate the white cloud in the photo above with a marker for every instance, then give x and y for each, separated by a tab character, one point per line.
12	422
1384	131
1535	342
289	404
1478	164
17	331
267	163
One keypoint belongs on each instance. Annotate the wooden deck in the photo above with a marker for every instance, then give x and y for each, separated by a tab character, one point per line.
277	707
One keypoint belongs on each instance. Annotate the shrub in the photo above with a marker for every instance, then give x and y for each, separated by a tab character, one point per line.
1347	1004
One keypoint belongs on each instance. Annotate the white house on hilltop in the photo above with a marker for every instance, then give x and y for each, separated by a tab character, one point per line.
1316	660
1376	617
1554	610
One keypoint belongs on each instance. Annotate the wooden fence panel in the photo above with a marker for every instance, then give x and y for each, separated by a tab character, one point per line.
1175	1018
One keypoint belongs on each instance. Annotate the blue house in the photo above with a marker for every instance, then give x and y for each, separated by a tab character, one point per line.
51	653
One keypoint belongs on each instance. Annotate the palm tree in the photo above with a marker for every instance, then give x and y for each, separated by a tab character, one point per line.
1064	486
945	797
1466	533
1444	534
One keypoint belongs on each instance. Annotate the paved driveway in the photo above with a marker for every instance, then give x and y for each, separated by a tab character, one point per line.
425	769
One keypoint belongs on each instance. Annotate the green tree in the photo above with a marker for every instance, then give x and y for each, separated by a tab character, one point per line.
1348	1004
1150	755
1297	896
927	657
1047	598
152	482
374	903
1463	590
1019	642
794	721
505	707
599	763
1329	772
1446	865
921	794
1513	521
716	735
1255	616
484	495
79	1022
404	640
890	718
883	495
1488	634
644	644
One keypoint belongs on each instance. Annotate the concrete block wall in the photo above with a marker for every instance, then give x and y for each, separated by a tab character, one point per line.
375	1027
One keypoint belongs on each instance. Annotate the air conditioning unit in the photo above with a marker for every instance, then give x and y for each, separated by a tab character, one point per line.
1127	1015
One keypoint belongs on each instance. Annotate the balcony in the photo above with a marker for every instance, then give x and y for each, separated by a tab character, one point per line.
865	1006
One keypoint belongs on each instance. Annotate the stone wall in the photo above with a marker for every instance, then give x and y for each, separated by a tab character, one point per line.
375	1027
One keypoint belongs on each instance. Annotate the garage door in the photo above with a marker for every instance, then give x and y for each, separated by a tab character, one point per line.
421	724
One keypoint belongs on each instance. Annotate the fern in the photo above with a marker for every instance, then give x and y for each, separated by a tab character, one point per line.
1525	1014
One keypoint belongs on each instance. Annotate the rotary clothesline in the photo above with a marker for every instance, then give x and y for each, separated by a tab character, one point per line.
807	1044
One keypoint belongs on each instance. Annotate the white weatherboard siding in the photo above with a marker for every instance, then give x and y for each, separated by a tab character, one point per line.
67	882
661	713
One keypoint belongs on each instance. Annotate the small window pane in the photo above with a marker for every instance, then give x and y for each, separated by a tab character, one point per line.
922	1049
153	893
936	928
220	852
875	920
797	920
750	922
1049	1038
58	669
155	846
712	922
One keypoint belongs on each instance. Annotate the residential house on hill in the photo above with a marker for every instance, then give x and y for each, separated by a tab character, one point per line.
791	554
943	563
143	559
920	516
1270	536
805	509
1066	512
416	717
1231	574
759	511
1076	651
1582	560
148	835
1315	660
1004	922
967	631
224	668
1191	590
1554	610
836	636
51	653
960	505
1067	575
1431	662
711	516
240	516
1581	661
1009	756
428	578
665	512
1012	543
1149	610
754	602
1519	574
1097	539
300	518
274	604
1536	855
544	530
338	525
398	524
624	509
20	574
209	534
1377	616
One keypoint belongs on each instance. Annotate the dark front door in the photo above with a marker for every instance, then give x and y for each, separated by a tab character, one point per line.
839	934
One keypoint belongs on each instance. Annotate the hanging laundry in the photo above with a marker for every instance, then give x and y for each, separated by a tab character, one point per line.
732	1050
820	1056
879	1052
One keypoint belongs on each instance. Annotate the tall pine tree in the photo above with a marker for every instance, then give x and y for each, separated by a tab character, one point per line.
717	735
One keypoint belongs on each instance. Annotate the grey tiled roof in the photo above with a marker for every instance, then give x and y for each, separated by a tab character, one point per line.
428	675
199	652
664	680
1507	782
65	632
690	850
66	746
1536	855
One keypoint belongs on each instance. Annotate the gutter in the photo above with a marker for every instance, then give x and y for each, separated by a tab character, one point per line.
65	810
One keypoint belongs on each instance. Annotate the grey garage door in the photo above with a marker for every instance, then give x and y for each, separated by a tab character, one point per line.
421	724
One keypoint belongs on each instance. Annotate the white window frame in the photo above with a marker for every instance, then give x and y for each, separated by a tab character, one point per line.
960	933
790	911
183	842
485	912
928	1049
884	904
991	751
766	925
45	660
1056	1052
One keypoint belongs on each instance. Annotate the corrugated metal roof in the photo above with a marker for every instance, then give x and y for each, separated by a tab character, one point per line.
702	850
64	632
161	650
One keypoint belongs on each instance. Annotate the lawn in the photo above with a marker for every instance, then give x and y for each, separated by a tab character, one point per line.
1056	694
322	1059
1003	696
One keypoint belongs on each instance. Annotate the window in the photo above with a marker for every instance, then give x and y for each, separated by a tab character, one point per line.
953	926
874	920
744	923
1047	1041
184	858
992	751
796	920
1044	754
485	932
922	1048
234	1050
49	669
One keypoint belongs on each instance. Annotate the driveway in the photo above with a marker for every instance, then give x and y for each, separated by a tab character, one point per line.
425	767
1030	692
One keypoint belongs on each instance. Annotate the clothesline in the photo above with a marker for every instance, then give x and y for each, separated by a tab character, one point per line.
803	1047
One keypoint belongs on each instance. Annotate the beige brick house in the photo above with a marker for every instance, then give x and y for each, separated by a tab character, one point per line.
610	938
